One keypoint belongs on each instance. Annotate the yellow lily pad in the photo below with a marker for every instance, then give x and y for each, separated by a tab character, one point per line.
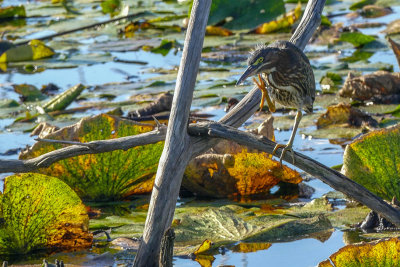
206	245
285	22
383	253
34	50
39	212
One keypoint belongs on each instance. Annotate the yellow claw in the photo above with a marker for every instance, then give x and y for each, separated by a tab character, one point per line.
284	150
262	87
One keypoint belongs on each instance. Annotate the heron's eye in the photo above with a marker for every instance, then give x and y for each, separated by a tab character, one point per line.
258	61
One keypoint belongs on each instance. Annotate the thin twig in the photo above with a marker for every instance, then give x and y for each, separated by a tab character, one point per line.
131	16
62	142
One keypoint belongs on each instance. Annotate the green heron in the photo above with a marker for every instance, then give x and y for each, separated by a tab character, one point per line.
290	81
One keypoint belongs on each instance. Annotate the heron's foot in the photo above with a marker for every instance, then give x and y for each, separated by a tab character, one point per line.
261	85
285	149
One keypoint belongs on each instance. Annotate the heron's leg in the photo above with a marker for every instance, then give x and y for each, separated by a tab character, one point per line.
262	87
288	146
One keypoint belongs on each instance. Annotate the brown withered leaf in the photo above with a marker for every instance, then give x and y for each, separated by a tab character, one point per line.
241	174
393	27
345	114
374	11
379	87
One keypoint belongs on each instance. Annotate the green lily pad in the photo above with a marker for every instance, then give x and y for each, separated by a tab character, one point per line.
357	39
164	47
12	11
245	14
38	212
361	4
29	92
8	103
110	6
106	176
373	161
34	50
357	56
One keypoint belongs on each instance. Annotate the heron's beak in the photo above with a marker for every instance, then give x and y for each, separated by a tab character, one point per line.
250	71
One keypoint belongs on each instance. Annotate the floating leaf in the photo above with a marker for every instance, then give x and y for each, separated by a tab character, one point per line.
110	6
239	174
373	160
29	92
8	103
12	11
361	4
39	211
206	245
283	23
356	38
106	176
383	253
164	47
34	50
218	31
372	11
380	86
357	56
345	114
62	100
245	14
393	27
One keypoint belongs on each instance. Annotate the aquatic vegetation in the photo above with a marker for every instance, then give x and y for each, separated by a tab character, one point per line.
106	176
364	162
41	212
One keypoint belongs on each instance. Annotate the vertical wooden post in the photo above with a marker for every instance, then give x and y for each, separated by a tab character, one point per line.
177	148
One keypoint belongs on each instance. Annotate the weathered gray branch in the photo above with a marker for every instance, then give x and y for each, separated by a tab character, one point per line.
177	149
333	178
93	147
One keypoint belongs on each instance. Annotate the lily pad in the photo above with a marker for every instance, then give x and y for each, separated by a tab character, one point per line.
34	50
238	174
285	22
29	92
245	14
12	11
373	161
345	114
384	253
38	212
357	39
106	176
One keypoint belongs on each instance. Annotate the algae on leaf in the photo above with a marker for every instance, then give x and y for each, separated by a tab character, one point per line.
39	212
373	160
107	176
383	253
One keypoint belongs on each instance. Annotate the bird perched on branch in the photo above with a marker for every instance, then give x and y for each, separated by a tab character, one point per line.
290	80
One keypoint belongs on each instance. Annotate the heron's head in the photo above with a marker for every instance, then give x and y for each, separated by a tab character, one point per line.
262	59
